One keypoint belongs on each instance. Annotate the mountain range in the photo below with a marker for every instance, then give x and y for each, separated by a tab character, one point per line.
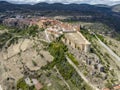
55	6
109	15
58	6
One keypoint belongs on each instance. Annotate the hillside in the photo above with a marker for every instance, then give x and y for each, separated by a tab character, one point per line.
51	60
59	47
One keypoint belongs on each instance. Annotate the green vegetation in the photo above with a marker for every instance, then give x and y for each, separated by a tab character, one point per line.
108	85
21	84
103	56
2	27
44	88
88	36
58	50
94	47
12	35
117	36
102	38
34	63
69	73
72	58
29	31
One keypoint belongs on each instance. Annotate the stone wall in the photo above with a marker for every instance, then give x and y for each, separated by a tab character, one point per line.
81	47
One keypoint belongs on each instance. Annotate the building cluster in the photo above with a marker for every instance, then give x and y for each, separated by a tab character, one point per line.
72	35
56	28
115	87
33	82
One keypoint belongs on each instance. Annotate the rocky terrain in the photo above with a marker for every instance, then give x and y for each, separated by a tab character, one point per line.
32	59
27	52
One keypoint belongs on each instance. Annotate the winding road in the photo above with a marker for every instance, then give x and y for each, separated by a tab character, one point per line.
80	74
62	78
108	49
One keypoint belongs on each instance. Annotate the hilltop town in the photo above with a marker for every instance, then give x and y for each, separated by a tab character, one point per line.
43	53
54	29
56	46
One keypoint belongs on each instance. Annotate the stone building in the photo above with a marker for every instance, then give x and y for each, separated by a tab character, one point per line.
76	40
72	35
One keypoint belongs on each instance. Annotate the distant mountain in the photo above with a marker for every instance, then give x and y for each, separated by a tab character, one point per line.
92	13
102	5
6	6
55	6
116	8
4	2
69	7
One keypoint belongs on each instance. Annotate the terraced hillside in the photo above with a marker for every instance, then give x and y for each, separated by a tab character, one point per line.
29	61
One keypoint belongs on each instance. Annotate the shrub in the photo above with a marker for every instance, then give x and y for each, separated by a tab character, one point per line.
22	85
34	63
72	58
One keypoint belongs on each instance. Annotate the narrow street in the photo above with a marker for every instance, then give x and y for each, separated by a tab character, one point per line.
80	74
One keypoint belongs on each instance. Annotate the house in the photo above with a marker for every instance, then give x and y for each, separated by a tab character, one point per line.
106	89
33	82
38	85
77	40
116	87
28	81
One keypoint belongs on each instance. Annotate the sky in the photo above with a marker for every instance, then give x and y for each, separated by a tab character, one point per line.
108	2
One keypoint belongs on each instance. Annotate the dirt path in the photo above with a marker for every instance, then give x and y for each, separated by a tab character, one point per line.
80	74
108	49
62	78
1	88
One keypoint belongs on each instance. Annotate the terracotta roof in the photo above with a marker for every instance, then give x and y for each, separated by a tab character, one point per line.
117	87
38	85
106	89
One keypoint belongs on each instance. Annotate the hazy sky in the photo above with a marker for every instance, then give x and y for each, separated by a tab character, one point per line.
109	2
